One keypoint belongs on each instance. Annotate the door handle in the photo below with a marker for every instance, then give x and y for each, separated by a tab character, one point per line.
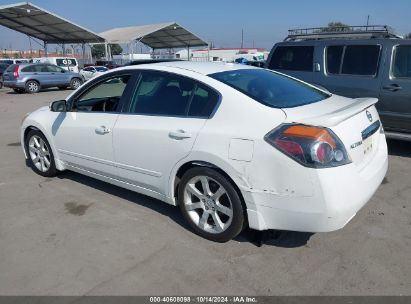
179	134
102	130
392	87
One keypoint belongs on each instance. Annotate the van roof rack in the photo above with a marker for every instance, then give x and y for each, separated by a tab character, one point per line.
341	32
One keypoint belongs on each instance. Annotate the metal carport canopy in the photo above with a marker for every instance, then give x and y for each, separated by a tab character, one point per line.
36	22
156	36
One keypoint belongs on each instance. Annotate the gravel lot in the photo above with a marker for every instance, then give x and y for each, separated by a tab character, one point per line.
73	235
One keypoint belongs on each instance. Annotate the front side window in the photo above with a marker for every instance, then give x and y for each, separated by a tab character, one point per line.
166	94
55	69
270	88
401	67
103	97
293	58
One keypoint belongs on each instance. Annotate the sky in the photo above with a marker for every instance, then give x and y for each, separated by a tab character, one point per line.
264	22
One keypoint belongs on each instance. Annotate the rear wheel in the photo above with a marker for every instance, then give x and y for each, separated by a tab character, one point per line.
210	204
75	83
41	158
32	87
1	85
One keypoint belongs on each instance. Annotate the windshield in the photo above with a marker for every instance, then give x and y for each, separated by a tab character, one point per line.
101	69
270	88
66	62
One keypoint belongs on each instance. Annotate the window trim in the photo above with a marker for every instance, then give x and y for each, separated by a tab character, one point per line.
340	73
96	81
393	53
127	106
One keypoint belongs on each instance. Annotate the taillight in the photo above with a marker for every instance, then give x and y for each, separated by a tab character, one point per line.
16	71
314	147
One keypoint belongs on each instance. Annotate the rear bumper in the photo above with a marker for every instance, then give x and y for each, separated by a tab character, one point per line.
14	84
338	194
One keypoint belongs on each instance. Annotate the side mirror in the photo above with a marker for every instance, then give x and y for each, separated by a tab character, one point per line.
58	106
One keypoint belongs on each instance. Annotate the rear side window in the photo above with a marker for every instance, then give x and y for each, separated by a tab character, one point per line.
294	58
402	62
270	88
353	59
166	94
29	69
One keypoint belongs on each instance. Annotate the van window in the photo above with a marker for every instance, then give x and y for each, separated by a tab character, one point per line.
66	62
334	56
402	62
361	60
294	58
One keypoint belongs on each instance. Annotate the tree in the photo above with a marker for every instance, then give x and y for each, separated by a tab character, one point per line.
408	36
336	27
98	50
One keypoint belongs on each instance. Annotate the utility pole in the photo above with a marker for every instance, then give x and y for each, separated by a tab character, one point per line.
242	38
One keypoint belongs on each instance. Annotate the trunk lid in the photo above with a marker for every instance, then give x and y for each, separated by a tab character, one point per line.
354	121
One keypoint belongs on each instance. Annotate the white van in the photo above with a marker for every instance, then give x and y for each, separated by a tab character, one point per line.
67	63
14	60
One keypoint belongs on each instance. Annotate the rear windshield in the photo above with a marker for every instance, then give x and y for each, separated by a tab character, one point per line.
11	68
66	62
270	88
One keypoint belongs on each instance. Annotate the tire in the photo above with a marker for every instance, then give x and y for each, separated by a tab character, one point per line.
40	155
32	87
75	83
218	215
1	85
62	87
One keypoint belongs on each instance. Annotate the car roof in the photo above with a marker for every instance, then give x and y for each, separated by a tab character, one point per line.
204	68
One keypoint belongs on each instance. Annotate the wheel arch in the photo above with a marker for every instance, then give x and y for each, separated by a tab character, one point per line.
183	168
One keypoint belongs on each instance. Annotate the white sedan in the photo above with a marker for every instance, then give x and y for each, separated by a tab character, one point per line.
231	145
92	71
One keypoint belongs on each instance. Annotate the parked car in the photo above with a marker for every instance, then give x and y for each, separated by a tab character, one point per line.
150	61
14	61
33	77
92	71
3	67
67	63
350	65
231	145
108	64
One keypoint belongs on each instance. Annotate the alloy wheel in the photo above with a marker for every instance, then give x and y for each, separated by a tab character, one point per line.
39	153
208	204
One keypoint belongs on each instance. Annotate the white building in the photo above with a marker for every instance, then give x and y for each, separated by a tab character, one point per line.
224	54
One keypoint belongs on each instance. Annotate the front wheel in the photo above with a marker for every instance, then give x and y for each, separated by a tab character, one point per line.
75	83
41	158
210	204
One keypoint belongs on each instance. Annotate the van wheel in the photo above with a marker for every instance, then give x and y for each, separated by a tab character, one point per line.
41	158
210	204
32	87
75	83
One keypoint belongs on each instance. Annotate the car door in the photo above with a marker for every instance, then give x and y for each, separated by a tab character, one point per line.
57	75
159	128
395	97
83	135
43	75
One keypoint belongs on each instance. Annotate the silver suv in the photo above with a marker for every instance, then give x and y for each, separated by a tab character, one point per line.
367	61
31	78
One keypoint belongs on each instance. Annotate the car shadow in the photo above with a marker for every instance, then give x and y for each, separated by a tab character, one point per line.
41	91
399	147
284	239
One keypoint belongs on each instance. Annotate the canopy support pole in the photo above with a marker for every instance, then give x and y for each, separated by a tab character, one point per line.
83	50
106	50
188	52
45	49
64	49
